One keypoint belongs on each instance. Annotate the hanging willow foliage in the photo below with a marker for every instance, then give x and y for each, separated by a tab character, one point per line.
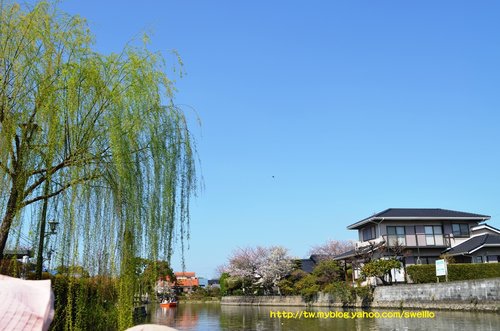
90	134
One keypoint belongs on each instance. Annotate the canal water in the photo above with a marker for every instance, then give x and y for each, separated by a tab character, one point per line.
215	317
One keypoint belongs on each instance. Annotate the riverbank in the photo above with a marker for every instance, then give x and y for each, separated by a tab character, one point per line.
480	295
200	300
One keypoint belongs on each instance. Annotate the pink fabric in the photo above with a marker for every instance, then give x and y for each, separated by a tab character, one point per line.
25	304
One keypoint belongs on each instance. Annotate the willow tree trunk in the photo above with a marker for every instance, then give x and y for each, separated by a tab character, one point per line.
10	213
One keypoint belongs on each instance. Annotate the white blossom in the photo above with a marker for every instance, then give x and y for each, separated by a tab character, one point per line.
264	267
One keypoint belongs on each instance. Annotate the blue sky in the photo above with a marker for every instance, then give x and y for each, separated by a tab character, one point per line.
317	114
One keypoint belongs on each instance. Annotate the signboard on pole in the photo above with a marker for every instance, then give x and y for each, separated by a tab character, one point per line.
441	269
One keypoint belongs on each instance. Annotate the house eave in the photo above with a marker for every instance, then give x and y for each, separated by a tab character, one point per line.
485	226
357	225
482	246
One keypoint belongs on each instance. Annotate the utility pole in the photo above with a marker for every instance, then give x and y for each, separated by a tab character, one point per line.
43	220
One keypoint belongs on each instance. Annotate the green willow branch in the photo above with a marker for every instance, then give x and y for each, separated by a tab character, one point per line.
5	169
68	162
59	191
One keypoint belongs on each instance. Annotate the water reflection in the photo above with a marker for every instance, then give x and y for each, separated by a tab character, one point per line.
445	320
187	316
182	318
214	317
259	318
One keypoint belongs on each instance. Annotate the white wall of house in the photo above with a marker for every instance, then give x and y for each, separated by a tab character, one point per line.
398	275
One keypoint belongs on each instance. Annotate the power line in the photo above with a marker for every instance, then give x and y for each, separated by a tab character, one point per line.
26	240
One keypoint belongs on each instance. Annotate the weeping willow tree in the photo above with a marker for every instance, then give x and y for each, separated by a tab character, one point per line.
98	139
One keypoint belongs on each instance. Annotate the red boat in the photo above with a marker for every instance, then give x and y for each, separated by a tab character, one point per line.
168	304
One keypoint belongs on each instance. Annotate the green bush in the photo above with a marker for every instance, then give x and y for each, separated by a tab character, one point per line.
348	294
380	268
426	273
365	293
342	292
288	285
203	294
233	285
308	287
423	273
328	271
85	303
11	267
223	284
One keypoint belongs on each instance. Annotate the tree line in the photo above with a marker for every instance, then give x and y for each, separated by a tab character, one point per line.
272	271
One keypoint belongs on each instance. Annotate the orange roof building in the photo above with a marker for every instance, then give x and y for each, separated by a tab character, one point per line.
186	280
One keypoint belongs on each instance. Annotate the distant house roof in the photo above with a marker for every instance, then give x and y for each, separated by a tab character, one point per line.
417	214
184	274
213	281
349	253
474	244
317	258
188	282
307	265
17	253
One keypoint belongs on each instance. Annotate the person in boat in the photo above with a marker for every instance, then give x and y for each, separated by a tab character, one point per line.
169	300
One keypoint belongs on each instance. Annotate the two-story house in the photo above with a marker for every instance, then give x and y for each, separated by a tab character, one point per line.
186	281
421	235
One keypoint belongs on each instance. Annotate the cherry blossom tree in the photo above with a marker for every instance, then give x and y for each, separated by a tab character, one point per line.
332	247
260	267
276	265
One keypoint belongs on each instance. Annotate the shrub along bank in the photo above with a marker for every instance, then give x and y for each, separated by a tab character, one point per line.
426	273
85	303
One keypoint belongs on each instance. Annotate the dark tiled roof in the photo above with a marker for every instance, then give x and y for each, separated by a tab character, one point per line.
307	265
416	213
349	253
359	252
317	258
473	243
427	212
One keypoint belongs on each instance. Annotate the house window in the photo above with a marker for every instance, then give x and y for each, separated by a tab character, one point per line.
431	260
369	233
478	259
426	260
460	230
434	235
396	235
493	258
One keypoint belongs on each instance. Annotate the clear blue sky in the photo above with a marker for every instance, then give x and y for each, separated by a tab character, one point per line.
352	106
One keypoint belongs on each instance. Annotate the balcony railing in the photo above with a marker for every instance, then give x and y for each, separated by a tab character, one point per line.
438	240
